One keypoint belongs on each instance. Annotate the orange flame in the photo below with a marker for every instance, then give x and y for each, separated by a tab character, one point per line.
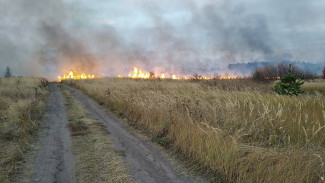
74	75
137	73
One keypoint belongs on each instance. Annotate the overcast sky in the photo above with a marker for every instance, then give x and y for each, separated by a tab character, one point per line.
48	37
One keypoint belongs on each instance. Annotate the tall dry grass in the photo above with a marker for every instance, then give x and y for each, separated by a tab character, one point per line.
21	105
316	87
244	135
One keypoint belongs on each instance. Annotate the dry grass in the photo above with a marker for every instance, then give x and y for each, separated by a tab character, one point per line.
316	87
245	135
22	101
239	85
96	157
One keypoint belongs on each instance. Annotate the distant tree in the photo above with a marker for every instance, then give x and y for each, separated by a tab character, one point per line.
8	72
324	73
289	84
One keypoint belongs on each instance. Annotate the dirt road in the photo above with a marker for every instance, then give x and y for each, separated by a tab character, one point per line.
54	161
146	164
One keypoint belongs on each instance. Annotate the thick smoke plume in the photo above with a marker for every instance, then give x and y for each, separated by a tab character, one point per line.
69	54
46	38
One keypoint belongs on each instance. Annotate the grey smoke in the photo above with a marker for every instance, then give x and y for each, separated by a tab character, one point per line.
69	52
44	38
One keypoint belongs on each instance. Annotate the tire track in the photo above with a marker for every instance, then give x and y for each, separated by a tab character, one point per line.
146	164
55	162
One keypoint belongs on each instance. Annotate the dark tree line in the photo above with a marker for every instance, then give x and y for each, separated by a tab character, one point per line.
276	72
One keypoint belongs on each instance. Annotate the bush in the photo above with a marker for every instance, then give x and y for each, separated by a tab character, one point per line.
265	73
289	84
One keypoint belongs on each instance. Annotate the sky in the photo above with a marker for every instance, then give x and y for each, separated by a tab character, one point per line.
47	38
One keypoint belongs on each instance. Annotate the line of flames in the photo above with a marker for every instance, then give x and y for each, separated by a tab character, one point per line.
137	73
74	75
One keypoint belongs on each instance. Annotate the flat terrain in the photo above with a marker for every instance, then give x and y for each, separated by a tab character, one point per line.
226	131
55	161
22	105
145	162
97	158
232	130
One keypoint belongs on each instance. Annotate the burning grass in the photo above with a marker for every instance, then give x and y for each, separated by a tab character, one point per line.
244	133
137	73
22	101
76	76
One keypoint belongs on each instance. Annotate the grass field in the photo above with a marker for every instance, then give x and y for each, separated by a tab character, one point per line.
238	129
22	101
316	87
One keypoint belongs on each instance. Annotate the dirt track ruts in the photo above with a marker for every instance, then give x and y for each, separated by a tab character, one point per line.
55	161
146	164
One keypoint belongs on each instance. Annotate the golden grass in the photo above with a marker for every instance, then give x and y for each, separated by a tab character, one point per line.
314	87
96	157
22	101
246	135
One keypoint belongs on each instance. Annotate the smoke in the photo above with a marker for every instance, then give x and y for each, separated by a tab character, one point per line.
69	52
40	41
46	38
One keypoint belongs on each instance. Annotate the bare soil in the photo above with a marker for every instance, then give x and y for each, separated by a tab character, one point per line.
145	162
55	161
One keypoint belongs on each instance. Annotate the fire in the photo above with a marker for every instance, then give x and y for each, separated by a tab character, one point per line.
74	75
175	77
137	73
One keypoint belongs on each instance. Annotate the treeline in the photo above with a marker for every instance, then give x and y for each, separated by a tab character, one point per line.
271	72
250	67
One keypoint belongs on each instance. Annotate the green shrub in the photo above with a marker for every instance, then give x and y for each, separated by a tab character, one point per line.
289	85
